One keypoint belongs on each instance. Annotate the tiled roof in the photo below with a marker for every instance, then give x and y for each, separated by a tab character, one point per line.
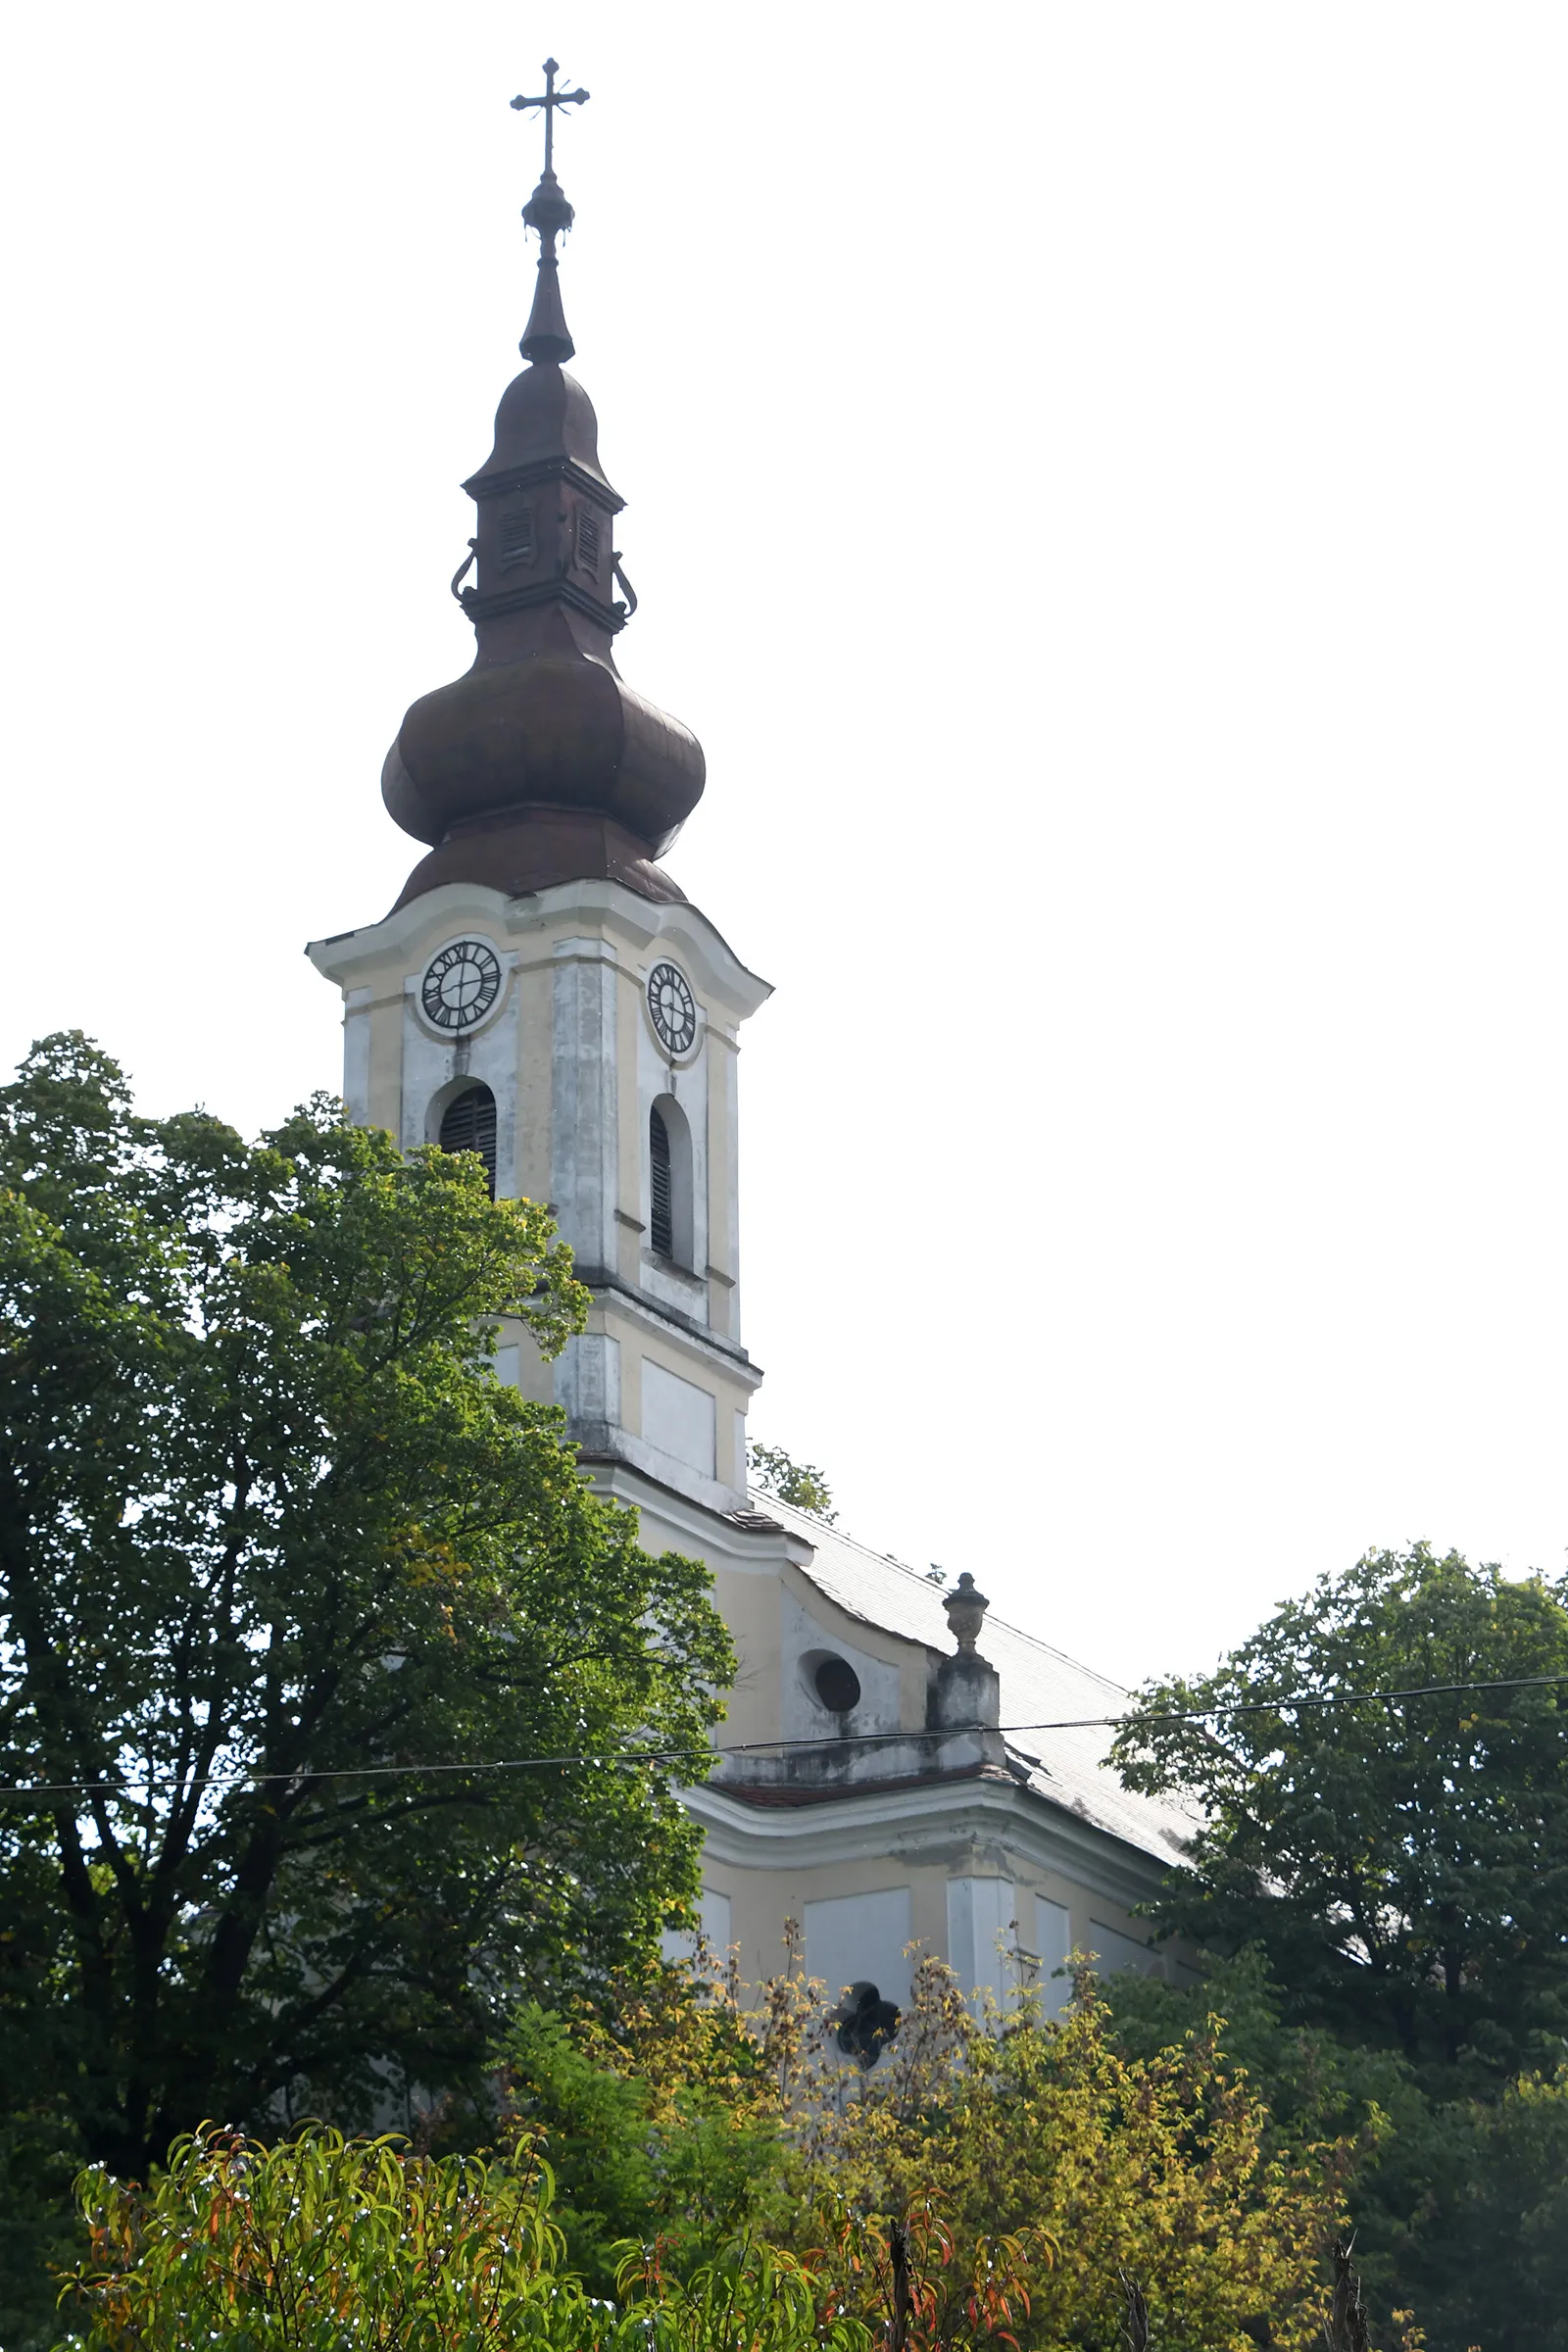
1038	1684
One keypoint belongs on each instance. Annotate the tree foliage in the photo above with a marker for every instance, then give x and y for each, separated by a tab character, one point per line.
322	2245
1090	2166
285	1573
1458	2205
799	1483
1028	2163
1383	1890
660	2115
1403	1864
997	2183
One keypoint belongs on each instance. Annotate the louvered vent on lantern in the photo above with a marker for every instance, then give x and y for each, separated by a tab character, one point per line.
468	1124
660	1217
516	537
587	539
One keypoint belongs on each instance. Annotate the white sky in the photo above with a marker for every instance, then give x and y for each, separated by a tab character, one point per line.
1097	490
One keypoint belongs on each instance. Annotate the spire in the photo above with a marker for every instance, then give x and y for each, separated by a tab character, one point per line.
541	765
547	336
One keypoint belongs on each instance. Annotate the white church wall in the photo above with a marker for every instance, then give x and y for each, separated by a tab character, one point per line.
714	1923
714	1912
435	1069
682	1084
572	1057
584	1127
724	1186
356	1029
1053	1943
587	1377
678	1418
806	1635
981	1933
781	1861
533	1142
860	1939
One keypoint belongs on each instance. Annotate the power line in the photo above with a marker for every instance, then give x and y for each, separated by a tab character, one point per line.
606	1757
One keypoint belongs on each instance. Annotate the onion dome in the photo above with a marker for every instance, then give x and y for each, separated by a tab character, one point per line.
540	764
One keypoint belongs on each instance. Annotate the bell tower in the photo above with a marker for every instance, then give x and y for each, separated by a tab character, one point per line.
542	992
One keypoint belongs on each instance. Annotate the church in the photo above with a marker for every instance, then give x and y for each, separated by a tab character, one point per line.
897	1768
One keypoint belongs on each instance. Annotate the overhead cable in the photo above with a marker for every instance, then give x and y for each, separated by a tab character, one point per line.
603	1758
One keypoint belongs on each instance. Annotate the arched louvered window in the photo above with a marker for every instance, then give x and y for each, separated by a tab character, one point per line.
468	1124
661	1204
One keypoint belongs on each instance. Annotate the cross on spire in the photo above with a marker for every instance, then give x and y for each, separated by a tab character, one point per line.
548	337
549	102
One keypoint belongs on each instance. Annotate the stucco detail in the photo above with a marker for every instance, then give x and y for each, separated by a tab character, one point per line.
584	1127
588	1381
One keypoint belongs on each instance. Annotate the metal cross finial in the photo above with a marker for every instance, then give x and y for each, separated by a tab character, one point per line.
549	101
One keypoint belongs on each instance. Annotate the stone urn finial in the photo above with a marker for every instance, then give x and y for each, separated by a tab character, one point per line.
966	1610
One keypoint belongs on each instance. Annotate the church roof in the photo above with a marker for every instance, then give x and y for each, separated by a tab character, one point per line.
1067	1765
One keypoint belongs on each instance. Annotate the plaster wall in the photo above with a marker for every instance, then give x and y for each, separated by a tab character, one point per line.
983	1929
806	1635
723	1131
585	1106
956	1914
861	1938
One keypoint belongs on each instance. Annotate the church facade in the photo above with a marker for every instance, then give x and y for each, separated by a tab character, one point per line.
897	1768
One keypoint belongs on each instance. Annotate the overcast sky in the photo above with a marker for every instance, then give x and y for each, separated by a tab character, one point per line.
1098	489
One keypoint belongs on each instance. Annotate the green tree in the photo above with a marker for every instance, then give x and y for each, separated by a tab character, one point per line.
1402	1865
656	2111
799	1483
1459	2205
661	2109
319	2244
293	1591
1087	2166
1029	2164
1382	1893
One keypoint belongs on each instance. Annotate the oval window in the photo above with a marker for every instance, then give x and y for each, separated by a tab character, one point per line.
838	1686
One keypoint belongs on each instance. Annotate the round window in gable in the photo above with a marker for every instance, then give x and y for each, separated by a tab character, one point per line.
837	1686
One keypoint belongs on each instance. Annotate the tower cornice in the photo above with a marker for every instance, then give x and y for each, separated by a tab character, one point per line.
351	958
501	481
536	594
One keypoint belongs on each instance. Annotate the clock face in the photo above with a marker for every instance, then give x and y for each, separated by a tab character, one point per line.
461	984
673	1007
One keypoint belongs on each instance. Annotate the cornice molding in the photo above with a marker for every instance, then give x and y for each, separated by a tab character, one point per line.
508	478
641	923
344	955
922	1825
716	1534
543	591
676	1325
604	1442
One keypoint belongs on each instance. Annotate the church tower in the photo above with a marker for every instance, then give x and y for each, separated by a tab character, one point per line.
542	992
